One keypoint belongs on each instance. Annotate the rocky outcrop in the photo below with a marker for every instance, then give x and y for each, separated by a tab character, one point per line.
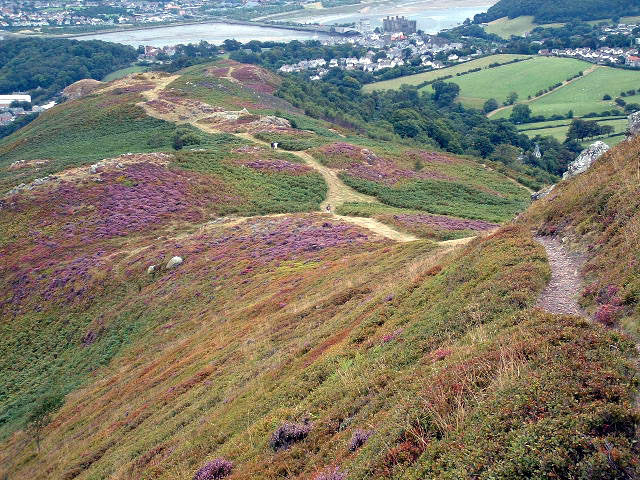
633	129
539	195
81	88
30	186
586	159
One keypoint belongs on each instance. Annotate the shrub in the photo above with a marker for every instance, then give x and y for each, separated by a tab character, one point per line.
606	97
287	434
358	439
331	473
608	314
218	468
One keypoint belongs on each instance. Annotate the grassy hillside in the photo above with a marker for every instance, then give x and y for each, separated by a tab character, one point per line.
506	27
438	184
420	78
598	215
288	342
585	95
525	78
558	129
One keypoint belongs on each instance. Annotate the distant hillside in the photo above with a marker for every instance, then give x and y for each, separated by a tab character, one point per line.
45	66
549	11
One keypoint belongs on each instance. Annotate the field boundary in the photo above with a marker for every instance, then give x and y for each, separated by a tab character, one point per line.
533	99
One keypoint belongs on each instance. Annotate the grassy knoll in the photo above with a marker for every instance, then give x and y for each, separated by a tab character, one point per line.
524	78
416	222
585	94
434	74
83	131
123	72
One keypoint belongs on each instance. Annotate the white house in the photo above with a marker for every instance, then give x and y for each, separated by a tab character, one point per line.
7	99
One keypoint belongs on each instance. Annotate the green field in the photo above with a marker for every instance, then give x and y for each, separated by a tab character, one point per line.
585	95
123	72
524	78
434	74
559	129
505	27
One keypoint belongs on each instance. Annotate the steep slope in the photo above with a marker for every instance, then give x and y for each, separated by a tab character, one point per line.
597	215
287	340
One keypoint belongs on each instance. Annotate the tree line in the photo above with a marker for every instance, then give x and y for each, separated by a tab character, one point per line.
43	67
549	11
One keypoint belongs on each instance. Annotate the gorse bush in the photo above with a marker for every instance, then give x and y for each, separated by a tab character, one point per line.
287	434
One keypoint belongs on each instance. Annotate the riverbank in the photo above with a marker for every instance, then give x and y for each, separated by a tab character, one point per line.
300	28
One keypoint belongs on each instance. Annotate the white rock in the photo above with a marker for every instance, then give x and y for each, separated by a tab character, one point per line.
174	262
633	128
586	159
151	269
539	195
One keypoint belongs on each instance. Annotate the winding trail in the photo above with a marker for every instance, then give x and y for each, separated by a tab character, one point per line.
339	193
560	294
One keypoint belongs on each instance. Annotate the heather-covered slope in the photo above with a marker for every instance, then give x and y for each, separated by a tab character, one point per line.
598	214
289	341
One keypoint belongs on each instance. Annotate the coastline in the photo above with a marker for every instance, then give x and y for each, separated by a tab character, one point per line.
251	23
402	8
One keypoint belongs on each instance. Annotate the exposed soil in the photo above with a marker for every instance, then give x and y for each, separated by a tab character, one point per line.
560	296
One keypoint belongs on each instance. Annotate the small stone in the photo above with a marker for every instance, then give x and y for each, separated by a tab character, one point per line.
151	269
174	262
542	193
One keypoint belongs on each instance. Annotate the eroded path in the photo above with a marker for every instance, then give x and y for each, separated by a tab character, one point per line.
339	193
560	295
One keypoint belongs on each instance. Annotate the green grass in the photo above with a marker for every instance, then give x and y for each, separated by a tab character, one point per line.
525	78
81	132
585	94
443	198
263	193
297	317
506	27
559	132
562	123
123	72
432	75
386	214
